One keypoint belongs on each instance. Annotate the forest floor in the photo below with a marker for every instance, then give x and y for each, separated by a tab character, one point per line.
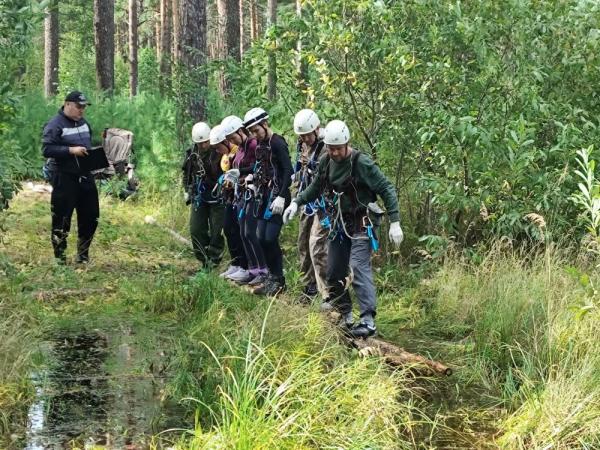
104	355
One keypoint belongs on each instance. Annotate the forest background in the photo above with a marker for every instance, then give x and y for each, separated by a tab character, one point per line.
484	114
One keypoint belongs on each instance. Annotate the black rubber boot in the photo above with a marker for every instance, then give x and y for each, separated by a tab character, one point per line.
363	331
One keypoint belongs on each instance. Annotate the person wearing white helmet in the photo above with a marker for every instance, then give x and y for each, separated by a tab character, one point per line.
272	179
347	181
312	236
244	160
226	194
201	170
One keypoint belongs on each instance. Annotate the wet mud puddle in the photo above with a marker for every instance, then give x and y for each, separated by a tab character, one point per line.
99	389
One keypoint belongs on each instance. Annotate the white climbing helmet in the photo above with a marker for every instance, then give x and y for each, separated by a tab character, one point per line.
200	132
336	133
216	135
231	124
306	121
254	116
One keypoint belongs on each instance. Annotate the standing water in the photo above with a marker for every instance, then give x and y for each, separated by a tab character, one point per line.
99	389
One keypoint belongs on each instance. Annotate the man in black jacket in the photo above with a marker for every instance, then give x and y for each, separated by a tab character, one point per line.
66	139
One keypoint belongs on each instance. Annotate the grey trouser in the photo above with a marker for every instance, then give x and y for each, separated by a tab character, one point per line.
355	253
312	247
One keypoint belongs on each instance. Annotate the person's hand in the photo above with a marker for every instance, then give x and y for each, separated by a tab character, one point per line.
396	234
249	179
290	212
78	151
277	205
186	198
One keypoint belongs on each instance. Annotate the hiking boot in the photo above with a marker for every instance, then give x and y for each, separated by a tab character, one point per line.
363	331
258	280
271	288
261	289
229	271
238	275
82	259
241	277
347	320
308	294
326	306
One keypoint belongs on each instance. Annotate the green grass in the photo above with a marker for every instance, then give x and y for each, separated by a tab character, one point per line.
267	374
520	330
528	324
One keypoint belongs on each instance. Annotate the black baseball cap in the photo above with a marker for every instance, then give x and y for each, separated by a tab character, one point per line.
77	97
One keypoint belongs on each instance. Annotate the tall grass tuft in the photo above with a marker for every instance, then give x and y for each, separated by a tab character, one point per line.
15	360
532	325
299	400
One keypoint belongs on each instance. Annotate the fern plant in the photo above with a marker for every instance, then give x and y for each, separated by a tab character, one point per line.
588	197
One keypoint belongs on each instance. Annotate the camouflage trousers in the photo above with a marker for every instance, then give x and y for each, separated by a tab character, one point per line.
312	246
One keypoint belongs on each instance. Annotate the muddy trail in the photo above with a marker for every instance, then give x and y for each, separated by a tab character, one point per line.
105	354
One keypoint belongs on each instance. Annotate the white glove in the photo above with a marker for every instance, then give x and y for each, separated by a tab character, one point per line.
396	234
249	178
290	212
277	205
186	197
375	208
232	176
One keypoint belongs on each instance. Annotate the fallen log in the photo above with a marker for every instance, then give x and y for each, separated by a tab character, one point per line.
152	221
62	293
392	354
397	356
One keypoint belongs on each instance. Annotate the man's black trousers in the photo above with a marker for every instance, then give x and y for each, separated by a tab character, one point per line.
72	192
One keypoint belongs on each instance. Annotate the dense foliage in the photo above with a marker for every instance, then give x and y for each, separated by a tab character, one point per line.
476	109
18	20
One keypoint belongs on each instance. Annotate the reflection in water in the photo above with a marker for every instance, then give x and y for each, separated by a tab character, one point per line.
93	393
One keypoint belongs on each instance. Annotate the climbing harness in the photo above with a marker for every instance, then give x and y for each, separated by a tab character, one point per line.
329	208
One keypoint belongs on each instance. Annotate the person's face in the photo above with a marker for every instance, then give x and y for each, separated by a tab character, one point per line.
74	110
203	146
222	149
235	138
309	138
338	152
259	131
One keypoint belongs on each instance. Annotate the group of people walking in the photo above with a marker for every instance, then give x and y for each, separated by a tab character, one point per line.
238	178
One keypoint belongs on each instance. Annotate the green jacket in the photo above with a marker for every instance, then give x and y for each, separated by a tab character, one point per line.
368	179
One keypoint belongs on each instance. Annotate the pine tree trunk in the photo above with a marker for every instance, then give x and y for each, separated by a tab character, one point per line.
228	30
254	26
272	73
176	32
192	15
51	47
232	28
300	61
122	39
157	33
165	43
133	47
242	34
104	39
